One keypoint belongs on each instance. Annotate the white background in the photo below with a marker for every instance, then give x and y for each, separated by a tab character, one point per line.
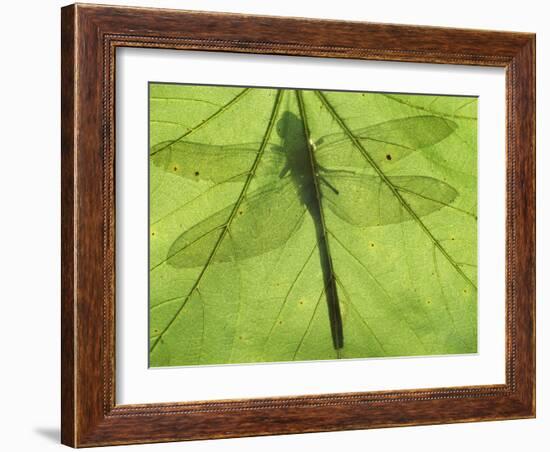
138	384
30	228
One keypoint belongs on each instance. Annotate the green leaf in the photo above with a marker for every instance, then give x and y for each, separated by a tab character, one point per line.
300	225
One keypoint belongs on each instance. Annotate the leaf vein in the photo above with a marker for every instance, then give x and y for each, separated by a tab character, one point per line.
392	187
225	229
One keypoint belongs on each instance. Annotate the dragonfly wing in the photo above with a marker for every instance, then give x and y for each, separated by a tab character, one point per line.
263	221
415	132
385	142
197	161
370	201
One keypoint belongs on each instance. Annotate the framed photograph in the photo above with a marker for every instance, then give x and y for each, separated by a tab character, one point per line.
281	225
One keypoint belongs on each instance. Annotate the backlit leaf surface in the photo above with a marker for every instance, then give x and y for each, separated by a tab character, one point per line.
299	225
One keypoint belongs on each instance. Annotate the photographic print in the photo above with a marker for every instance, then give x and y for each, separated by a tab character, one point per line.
295	225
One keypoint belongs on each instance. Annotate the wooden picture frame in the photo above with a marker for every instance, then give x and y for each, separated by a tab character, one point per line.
90	36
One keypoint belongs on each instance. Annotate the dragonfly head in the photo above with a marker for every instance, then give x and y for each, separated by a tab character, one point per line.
289	126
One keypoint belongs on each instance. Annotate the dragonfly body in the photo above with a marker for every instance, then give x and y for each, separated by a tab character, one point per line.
303	169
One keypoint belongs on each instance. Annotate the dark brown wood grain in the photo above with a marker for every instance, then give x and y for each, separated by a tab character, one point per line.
67	226
90	36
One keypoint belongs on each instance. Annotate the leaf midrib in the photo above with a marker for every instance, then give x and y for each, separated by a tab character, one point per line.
335	314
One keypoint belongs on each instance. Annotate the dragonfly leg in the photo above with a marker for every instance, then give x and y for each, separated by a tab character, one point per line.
285	170
329	185
336	171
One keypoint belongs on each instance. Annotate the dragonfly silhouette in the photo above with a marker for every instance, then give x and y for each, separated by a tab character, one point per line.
311	177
